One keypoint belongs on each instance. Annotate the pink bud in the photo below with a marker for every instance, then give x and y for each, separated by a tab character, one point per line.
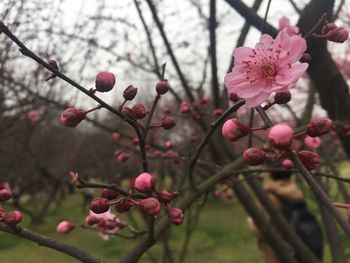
283	97
124	205
233	97
162	87
128	112
204	100
13	218
176	216
328	27
217	193
53	63
168	122
185	107
218	112
233	130
105	81
339	35
287	164
166	196
33	115
150	206
91	220
130	93
71	117
115	136
99	205
253	156
280	136
140	111
311	160
312	142
319	126
5	194
109	194
144	183
168	144
64	227
123	157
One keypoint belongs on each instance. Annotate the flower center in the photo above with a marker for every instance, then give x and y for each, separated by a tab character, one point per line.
268	71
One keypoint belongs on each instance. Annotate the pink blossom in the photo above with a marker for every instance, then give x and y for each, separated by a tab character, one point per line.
272	66
64	227
312	142
280	136
33	115
106	223
284	23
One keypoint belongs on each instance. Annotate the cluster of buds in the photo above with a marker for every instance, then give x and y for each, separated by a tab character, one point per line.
11	218
281	137
333	33
149	200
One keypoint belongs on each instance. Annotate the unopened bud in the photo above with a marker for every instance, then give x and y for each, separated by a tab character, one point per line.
253	156
166	196
311	160
99	205
128	112
176	215
105	81
130	93
168	122
5	194
233	130
287	164
185	107
144	183
218	112
339	35
115	136
91	220
233	97
140	111
123	205
328	27
150	206
306	57
71	117
319	126
162	87
12	218
283	97
64	227
280	136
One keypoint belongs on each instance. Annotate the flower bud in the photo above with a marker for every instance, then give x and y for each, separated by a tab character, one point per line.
217	112
12	218
305	58
319	126
115	136
168	122
109	194
253	156
105	81
166	196
71	117
287	164
122	157
168	144
176	215
123	205
311	160
53	64
144	183
5	194
99	205
233	97
128	112
233	130
91	220
312	142
140	111
33	115
229	193
283	97
64	227
150	206
339	35
280	136
185	107
162	87
328	27
130	93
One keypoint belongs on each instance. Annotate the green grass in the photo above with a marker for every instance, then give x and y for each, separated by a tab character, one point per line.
221	236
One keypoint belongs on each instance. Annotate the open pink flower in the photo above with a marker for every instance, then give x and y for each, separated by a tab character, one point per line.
285	23
272	66
106	224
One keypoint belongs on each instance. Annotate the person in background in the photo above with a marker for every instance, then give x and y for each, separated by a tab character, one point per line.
288	199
